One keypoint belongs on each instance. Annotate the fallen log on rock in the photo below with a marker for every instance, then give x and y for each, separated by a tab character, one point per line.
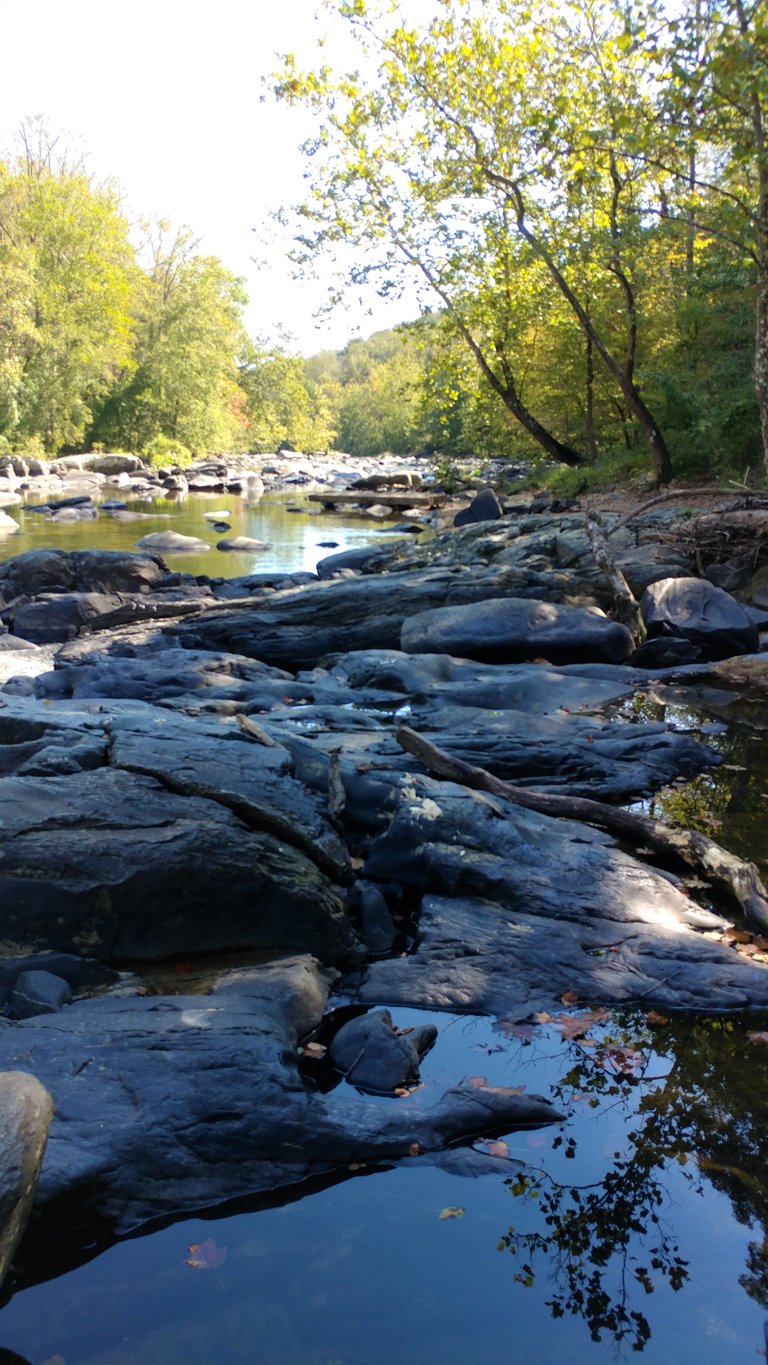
723	870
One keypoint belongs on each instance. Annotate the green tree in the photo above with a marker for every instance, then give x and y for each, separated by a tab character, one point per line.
183	379
489	146
68	273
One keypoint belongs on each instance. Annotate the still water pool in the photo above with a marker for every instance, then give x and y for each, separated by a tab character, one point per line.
640	1226
297	538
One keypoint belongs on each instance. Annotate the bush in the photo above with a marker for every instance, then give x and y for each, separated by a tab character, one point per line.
163	451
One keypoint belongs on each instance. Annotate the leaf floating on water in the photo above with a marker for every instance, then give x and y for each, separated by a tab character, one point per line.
516	1029
491	1147
755	1036
452	1211
656	1020
205	1255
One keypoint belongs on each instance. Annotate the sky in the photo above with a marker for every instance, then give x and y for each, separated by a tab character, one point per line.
167	98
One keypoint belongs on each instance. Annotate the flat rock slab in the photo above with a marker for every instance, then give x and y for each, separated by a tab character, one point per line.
509	629
222	1071
560	907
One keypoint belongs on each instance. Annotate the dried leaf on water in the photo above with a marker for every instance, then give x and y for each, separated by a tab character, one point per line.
205	1255
452	1211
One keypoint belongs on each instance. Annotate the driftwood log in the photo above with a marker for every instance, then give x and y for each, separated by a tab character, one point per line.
723	870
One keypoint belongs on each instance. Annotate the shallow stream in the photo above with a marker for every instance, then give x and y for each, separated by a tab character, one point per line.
641	1225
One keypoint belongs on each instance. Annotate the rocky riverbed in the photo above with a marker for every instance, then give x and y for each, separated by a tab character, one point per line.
191	767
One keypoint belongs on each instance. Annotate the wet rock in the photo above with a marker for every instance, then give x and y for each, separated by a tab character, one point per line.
37	571
198	1100
376	923
26	1111
172	542
111	864
698	611
38	992
503	630
242	544
373	1055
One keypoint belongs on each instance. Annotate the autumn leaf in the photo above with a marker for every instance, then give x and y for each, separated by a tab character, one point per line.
205	1255
512	1029
756	1037
414	1149
655	1020
316	1050
477	1082
569	998
452	1211
573	1026
491	1147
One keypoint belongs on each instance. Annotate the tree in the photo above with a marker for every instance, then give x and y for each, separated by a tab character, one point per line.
183	379
486	147
68	271
712	64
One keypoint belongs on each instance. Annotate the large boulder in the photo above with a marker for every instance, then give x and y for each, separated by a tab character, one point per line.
173	543
37	571
695	610
173	1103
26	1111
111	864
508	629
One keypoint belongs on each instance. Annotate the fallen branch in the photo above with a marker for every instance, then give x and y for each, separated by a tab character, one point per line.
690	494
723	870
626	605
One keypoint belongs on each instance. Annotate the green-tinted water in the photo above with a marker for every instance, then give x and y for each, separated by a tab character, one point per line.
295	537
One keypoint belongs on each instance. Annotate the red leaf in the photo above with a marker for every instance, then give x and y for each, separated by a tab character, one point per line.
757	1037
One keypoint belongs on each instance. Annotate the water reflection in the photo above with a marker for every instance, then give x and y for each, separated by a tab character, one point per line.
295	537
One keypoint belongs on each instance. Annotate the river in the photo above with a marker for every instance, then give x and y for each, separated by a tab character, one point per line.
641	1226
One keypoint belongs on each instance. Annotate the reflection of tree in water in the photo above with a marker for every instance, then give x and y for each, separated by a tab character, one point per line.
608	1242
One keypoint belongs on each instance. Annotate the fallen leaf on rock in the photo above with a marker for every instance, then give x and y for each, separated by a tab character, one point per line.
452	1211
205	1255
401	1092
479	1082
569	998
757	1037
542	1017
414	1149
314	1050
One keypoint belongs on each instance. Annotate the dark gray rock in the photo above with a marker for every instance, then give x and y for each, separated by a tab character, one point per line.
169	1104
111	864
698	611
79	973
485	506
373	1055
508	629
38	992
37	571
376	924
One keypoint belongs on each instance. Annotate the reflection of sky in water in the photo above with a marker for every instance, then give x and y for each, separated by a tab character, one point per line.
295	538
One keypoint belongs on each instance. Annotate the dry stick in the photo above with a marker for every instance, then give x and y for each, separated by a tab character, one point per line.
627	606
722	869
689	493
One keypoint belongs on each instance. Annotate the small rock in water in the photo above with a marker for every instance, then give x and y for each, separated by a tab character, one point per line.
243	544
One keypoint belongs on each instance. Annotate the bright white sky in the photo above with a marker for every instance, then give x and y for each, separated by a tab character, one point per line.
166	98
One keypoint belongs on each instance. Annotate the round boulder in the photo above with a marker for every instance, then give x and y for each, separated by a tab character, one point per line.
696	610
26	1111
512	629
